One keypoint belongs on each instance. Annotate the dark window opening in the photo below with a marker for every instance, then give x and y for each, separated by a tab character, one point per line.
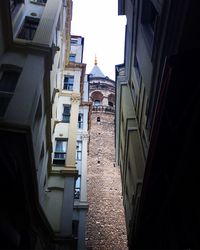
98	119
75	228
66	113
98	162
73	41
8	82
80	120
14	4
39	1
38	114
137	70
149	20
29	28
68	82
110	104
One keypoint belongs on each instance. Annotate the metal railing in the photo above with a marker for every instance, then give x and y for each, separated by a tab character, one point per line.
103	108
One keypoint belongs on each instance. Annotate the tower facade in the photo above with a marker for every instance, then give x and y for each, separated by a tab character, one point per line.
105	223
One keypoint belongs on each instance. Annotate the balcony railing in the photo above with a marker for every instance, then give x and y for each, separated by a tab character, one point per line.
103	108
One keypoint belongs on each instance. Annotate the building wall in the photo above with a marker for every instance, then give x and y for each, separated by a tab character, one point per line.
155	33
28	114
70	214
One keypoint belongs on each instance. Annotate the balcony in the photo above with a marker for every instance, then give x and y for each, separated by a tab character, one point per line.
103	108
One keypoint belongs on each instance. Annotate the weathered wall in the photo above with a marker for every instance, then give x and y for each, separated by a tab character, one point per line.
106	224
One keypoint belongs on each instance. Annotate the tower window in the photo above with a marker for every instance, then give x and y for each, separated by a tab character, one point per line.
110	104
98	119
96	102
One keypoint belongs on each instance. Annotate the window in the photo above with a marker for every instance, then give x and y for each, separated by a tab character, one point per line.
8	82
110	104
79	150
80	120
96	103
74	41
60	151
66	113
39	1
75	228
77	188
72	57
98	119
149	20
68	82
13	4
38	115
29	28
137	70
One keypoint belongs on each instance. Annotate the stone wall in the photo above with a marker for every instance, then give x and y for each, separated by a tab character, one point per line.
106	223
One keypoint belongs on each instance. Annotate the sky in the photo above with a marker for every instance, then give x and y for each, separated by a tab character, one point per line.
103	31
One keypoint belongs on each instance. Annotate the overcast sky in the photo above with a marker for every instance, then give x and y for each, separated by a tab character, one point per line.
98	22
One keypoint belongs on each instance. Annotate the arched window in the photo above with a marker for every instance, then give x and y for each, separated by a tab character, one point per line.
110	104
96	103
98	119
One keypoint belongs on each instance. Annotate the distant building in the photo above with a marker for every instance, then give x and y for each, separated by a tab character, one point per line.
156	94
105	223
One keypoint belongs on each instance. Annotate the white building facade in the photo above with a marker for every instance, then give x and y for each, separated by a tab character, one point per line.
40	209
67	179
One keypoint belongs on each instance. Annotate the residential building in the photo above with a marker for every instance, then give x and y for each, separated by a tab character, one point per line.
67	177
39	109
105	223
157	93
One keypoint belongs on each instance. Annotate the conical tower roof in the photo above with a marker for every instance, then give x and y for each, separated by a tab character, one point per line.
96	72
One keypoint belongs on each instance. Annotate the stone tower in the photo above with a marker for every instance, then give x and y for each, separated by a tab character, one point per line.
105	224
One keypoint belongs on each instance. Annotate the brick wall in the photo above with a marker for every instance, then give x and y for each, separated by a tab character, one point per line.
106	223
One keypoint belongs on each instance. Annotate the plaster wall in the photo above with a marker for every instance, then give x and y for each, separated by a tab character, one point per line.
23	105
2	45
53	211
